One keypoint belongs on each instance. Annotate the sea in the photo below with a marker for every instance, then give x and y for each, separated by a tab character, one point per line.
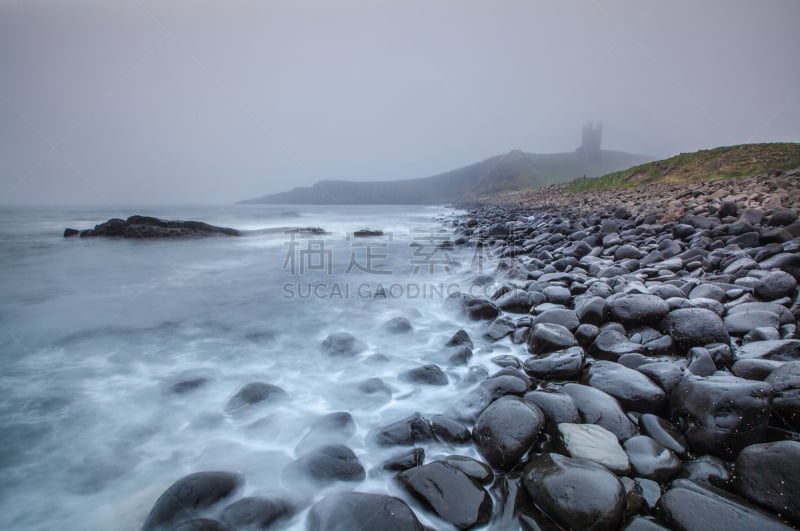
96	332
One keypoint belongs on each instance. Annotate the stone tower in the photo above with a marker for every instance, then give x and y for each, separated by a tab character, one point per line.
590	144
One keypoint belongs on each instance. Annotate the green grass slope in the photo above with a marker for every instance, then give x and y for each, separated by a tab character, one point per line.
717	163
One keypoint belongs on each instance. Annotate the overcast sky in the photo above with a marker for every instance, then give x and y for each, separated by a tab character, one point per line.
198	101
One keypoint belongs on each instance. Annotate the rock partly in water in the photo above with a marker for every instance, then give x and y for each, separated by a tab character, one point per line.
361	511
150	227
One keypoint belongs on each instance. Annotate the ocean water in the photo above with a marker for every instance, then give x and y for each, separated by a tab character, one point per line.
93	332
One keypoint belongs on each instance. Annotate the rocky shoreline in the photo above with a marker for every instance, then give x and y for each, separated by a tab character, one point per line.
655	382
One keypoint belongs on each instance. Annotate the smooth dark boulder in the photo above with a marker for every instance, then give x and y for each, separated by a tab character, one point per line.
691	507
255	393
398	325
342	344
651	460
722	414
775	285
785	382
593	443
448	492
258	512
405	460
776	350
788	262
547	337
564	364
459	338
610	344
189	494
202	524
361	511
559	316
739	324
755	369
324	466
575	493
406	432
478	309
556	405
506	429
696	327
500	328
663	432
767	474
450	430
591	310
477	470
637	309
598	407
430	374
516	301
631	388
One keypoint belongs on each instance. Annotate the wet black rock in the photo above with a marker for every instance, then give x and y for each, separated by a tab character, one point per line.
663	432
722	414
258	512
506	429
696	327
598	407
406	432
405	460
767	474
189	494
610	344
564	364
631	388
775	285
255	393
700	362
651	460
324	466
741	323
500	328
591	310
547	337
342	344
478	309
560	316
637	309
448	492
430	374
788	262
516	301
755	369
150	227
360	511
333	428
459	338
776	350
450	430
576	493
375	389
480	472
557	406
687	505
785	382
186	386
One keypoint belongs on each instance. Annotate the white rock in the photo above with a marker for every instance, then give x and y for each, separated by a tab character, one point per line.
595	443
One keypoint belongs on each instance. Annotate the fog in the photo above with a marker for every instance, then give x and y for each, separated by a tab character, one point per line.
145	101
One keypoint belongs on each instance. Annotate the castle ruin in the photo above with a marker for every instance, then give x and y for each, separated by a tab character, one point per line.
590	141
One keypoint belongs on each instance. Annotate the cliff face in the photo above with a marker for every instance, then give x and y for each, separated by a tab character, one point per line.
515	170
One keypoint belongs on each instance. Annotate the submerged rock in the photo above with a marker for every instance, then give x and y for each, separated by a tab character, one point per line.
255	393
150	227
361	511
189	494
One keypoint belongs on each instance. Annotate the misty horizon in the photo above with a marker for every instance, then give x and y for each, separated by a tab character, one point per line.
143	103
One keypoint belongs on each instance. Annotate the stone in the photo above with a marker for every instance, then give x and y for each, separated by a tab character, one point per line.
564	364
459	338
663	432
785	382
775	285
597	407
651	460
594	443
480	472
258	512
575	493
202	524
342	344
637	309
405	432
478	309
776	350
190	494
448	492
547	337
430	374
149	227
333	428
591	310
696	327
723	413
632	389
405	460
741	323
562	316
767	474
254	393
324	466
689	506
611	344
398	325
450	430
506	430
361	511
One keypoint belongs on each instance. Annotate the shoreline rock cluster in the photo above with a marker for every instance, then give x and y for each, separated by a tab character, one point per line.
150	227
655	383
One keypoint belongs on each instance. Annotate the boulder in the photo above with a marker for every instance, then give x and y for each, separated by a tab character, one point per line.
767	474
506	429
361	511
594	443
